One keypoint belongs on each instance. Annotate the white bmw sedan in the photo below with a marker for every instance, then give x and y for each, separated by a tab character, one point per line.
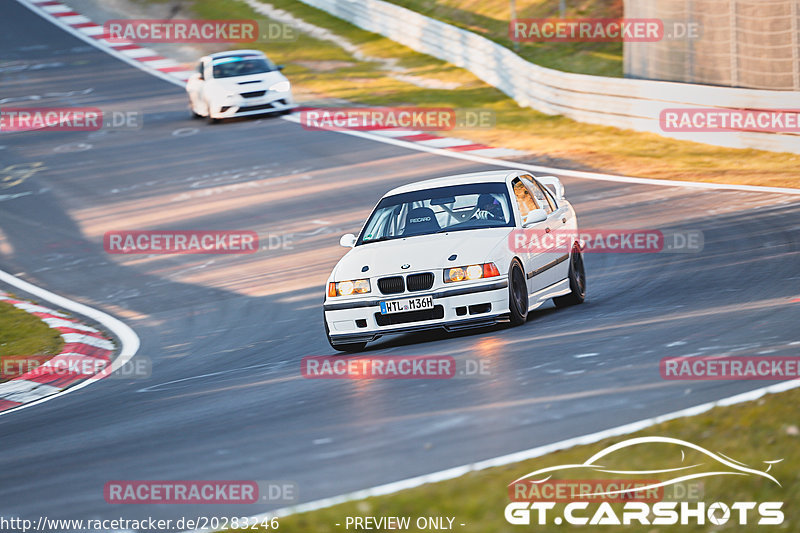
444	253
237	84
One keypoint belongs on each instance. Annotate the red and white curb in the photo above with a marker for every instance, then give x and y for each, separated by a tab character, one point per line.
447	143
66	16
82	344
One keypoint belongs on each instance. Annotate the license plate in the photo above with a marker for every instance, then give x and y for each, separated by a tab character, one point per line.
409	304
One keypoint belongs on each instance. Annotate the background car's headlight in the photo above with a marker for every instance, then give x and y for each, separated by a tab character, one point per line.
470	272
346	288
281	87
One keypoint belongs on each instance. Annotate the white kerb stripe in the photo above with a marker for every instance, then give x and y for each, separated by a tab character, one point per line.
60	8
446	142
35	391
61	323
92	30
86	339
33	308
74	19
138	52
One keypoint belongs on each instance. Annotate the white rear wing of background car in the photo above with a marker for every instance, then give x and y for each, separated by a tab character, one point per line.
554	184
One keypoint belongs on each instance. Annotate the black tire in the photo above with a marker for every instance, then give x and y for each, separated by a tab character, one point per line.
350	347
577	281
517	294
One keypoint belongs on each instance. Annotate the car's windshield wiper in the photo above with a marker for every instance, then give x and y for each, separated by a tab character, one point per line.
379	239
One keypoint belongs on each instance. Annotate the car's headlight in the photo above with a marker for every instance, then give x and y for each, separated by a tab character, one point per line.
346	288
281	87
470	272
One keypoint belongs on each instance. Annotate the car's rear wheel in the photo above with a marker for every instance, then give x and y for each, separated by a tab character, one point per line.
577	281
349	347
517	294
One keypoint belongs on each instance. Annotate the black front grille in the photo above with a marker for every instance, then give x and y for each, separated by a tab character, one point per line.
410	316
392	285
256	107
419	282
254	94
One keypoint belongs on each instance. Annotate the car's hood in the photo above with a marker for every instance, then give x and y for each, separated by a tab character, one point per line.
423	252
254	82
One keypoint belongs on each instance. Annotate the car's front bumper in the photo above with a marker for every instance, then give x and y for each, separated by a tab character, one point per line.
475	305
271	102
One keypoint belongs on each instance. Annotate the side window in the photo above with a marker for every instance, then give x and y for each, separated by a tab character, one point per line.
542	197
524	198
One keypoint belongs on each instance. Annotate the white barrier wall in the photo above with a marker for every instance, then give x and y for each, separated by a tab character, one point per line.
620	102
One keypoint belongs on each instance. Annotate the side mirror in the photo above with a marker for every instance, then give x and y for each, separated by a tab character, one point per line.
280	67
534	216
348	240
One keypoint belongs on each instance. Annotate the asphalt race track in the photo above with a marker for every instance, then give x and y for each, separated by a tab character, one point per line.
226	333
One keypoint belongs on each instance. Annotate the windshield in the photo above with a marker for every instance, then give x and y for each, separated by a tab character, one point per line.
454	208
231	67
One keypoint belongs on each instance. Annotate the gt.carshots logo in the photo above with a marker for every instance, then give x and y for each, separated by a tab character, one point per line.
553	495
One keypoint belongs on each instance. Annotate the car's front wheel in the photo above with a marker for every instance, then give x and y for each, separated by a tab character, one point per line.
577	281
349	347
517	294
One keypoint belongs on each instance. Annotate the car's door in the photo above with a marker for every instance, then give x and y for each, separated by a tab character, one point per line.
557	227
532	256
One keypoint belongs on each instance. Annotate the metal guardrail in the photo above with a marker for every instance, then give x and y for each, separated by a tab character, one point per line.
619	102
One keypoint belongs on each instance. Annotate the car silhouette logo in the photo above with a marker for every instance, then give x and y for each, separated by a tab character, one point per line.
678	473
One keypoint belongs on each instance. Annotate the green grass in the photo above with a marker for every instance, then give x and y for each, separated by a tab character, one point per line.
23	334
753	432
490	18
553	140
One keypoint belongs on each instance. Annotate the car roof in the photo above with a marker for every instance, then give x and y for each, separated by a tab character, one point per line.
492	176
236	53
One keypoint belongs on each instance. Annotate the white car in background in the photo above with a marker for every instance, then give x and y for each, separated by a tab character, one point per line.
236	84
437	254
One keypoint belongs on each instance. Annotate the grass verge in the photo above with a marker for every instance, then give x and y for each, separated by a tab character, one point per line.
23	334
322	71
753	432
490	18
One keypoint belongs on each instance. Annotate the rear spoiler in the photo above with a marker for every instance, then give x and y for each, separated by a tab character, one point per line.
555	185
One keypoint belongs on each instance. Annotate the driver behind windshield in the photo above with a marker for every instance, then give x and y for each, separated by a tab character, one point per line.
489	208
